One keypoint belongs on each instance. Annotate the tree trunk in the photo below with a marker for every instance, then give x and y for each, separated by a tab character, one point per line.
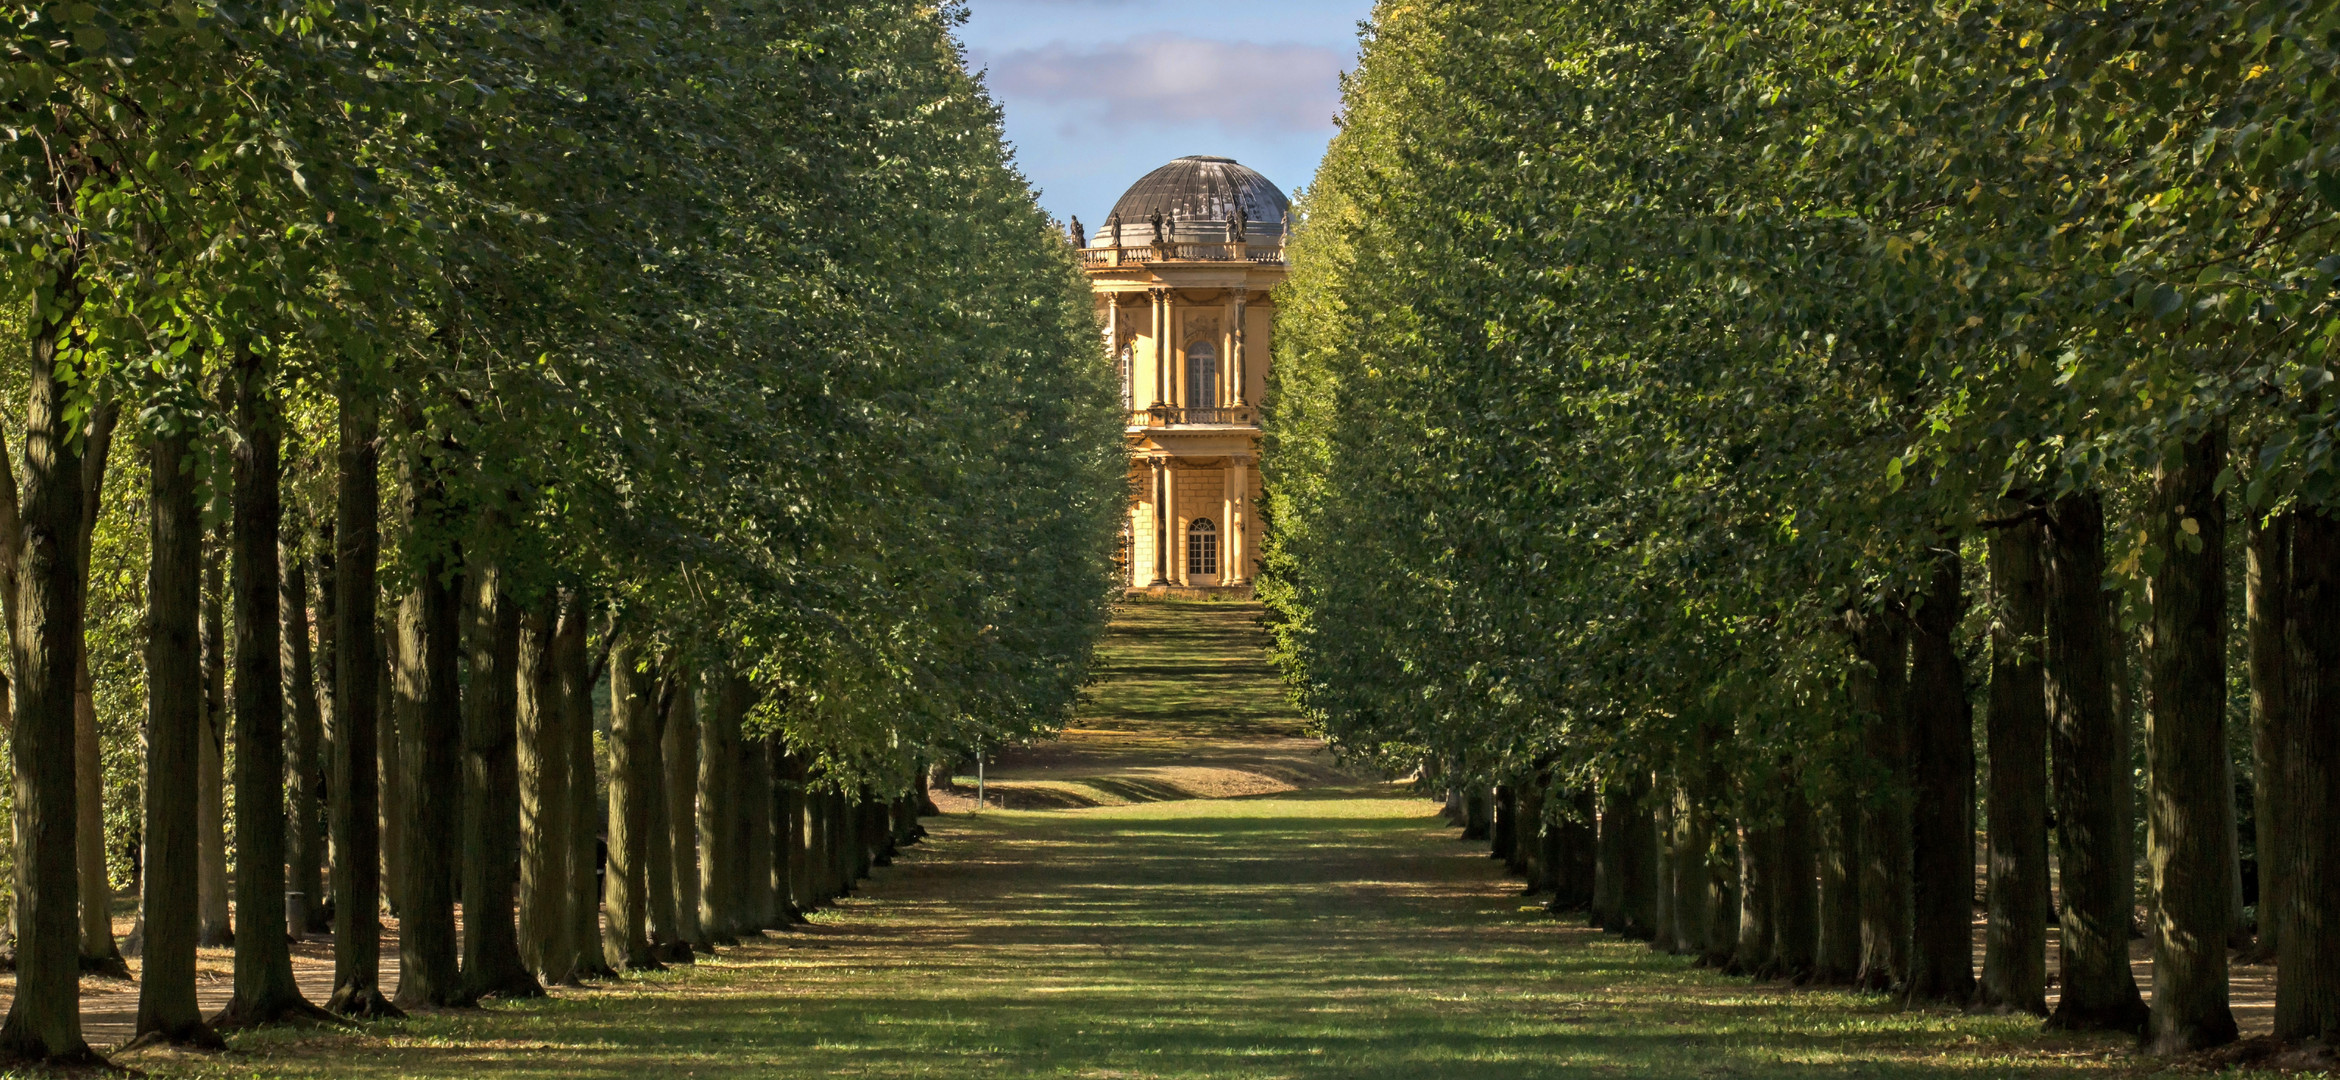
1690	843
835	873
907	831
44	1020
390	760
492	966
574	669
852	857
1637	881
626	887
835	845
876	837
1536	838
1795	903
1577	838
1609	857
1880	694
2089	773
328	695
1941	957
213	926
167	1010
1477	815
789	836
1661	819
99	954
2014	975
358	716
821	869
724	859
759	907
1838	959
542	752
2185	742
2307	971
927	777
2267	600
1721	896
1711	842
1504	836
666	938
1757	949
779	871
680	753
304	778
430	729
1527	831
265	992
1552	848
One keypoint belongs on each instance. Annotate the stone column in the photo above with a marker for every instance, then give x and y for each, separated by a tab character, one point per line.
1227	573
1161	308
1113	349
1161	523
1170	515
1235	363
1238	519
1176	360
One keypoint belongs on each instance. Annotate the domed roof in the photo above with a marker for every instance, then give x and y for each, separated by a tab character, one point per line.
1198	194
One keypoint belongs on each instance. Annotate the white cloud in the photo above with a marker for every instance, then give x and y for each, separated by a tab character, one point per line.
1169	79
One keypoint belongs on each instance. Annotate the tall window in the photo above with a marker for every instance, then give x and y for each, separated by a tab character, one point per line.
1202	376
1126	395
1202	547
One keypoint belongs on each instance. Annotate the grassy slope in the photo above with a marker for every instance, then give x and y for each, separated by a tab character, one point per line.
1333	930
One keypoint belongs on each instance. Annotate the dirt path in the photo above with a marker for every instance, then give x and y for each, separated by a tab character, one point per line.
1197	892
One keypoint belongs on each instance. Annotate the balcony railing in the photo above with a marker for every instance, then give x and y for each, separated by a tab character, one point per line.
1264	251
1215	415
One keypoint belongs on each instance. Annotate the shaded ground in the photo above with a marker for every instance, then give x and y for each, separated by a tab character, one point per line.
1328	928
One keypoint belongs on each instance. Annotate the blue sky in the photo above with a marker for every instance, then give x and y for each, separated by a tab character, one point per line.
1098	92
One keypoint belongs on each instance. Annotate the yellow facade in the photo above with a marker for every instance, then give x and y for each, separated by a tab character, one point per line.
1184	273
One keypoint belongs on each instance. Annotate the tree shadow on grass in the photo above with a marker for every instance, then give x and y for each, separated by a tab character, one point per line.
1328	933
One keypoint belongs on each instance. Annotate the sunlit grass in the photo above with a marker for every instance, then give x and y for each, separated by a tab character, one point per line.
1342	936
1334	932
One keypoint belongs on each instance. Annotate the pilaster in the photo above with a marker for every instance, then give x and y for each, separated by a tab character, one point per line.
1236	368
1162	520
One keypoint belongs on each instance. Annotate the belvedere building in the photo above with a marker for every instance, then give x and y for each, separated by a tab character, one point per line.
1184	271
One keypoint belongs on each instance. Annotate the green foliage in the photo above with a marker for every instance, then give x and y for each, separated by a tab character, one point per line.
738	320
1627	347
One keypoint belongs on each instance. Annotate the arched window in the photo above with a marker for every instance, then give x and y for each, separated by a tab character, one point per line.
1202	547
1202	376
1127	396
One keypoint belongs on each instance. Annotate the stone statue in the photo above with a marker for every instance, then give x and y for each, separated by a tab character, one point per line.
1080	239
1235	218
1113	227
1160	237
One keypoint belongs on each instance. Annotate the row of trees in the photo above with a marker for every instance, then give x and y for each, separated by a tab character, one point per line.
1661	384
473	363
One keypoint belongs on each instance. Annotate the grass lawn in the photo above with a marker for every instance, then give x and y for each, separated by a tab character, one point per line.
1329	928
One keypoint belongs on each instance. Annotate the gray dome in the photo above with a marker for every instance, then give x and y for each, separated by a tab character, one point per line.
1197	195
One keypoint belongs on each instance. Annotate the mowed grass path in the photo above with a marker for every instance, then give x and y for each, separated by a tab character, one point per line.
1331	929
